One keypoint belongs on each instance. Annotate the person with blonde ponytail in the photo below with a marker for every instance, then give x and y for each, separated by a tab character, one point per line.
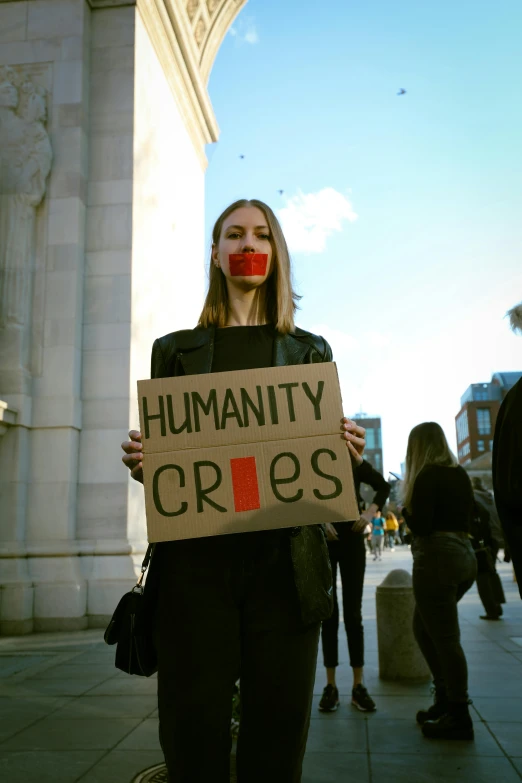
507	462
243	605
438	509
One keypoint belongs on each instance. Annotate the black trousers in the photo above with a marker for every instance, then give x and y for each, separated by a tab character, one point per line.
349	554
512	527
228	609
444	568
489	588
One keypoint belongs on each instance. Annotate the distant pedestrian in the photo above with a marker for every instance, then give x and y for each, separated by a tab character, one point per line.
346	546
378	528
367	532
486	545
507	463
402	529
485	498
438	508
392	529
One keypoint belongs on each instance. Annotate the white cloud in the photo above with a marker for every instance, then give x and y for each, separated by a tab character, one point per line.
245	32
378	339
251	35
310	218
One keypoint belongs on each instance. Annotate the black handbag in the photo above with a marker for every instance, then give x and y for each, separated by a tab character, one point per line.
131	629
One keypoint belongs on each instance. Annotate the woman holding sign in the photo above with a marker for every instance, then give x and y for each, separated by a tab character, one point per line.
243	605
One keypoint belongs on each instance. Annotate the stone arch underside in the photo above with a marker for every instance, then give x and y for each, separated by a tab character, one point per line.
187	35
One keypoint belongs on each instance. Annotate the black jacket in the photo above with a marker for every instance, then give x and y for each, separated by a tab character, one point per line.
365	473
507	456
190	352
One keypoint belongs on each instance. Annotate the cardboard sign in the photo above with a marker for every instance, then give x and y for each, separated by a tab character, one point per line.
242	451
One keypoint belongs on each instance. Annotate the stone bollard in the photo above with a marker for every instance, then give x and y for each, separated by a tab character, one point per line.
399	654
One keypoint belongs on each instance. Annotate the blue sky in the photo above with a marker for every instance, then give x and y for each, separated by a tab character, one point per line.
402	213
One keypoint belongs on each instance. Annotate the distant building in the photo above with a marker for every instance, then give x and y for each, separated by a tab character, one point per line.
475	422
373	450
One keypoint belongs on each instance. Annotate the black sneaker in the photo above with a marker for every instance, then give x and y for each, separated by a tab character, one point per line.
449	727
330	699
362	699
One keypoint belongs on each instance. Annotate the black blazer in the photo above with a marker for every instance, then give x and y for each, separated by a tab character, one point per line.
190	352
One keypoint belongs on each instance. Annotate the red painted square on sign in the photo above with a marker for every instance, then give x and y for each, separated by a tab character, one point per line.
244	483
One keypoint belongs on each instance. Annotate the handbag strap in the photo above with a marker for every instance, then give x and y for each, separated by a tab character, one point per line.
145	565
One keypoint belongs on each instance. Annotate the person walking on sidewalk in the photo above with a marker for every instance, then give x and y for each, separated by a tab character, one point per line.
507	463
438	508
347	550
485	498
378	524
486	546
402	530
245	605
392	529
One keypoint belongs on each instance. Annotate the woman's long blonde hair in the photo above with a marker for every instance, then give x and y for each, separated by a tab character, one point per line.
280	300
391	515
427	445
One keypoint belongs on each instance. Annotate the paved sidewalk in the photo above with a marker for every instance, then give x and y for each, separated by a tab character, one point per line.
67	715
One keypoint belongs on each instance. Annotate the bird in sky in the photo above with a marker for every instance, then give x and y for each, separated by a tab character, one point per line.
241	156
401	92
280	192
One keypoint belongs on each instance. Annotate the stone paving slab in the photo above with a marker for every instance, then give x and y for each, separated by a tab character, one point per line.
144	737
108	707
120	766
47	766
340	736
393	736
336	768
67	715
82	734
436	768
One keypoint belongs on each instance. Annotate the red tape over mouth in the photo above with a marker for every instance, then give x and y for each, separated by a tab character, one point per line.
247	264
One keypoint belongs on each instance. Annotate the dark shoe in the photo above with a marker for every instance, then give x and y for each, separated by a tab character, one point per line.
330	699
455	725
490	617
434	712
362	699
437	709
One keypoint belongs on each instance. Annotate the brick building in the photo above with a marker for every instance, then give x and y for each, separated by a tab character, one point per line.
475	422
373	450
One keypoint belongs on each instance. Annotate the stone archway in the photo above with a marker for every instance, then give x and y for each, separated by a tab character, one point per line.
119	248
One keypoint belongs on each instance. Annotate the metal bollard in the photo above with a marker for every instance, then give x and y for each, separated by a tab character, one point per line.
399	655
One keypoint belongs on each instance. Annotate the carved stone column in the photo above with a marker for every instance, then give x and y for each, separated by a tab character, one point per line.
151	118
41	231
96	261
25	163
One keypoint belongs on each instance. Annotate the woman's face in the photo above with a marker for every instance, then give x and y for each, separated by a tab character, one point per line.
244	232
